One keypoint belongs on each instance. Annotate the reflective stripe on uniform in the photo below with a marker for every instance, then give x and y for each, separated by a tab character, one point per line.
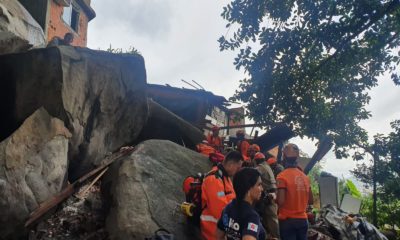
208	218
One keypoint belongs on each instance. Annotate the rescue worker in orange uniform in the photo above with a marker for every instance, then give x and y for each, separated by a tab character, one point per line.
205	148
216	192
275	166
252	151
242	145
294	195
214	139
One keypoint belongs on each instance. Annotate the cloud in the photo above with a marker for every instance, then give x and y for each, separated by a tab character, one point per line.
148	18
187	50
384	106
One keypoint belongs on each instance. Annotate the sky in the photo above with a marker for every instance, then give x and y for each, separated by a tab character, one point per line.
178	40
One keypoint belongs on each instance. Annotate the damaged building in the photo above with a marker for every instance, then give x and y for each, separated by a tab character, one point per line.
57	17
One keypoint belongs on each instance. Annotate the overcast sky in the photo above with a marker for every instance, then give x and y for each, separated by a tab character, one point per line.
178	40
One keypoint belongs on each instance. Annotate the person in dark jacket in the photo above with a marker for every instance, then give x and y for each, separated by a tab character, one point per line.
239	220
66	41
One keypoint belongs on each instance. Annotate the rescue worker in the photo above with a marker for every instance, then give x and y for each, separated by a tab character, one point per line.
216	192
239	220
242	145
294	194
252	150
275	166
205	148
267	208
214	139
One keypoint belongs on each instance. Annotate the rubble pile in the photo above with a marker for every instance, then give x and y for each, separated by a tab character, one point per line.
334	223
80	217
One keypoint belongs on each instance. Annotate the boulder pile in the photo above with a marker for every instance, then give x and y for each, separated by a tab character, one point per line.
65	109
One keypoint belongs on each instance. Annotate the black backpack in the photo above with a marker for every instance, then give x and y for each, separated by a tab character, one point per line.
192	190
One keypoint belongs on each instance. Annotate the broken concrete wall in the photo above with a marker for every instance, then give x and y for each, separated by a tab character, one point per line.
100	96
18	30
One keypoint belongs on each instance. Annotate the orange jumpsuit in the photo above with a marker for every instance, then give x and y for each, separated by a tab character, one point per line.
216	192
205	149
243	147
214	141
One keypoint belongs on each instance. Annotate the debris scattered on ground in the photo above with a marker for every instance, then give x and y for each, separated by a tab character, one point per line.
77	218
72	188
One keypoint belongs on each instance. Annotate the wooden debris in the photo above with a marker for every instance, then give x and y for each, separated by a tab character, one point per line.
82	194
71	188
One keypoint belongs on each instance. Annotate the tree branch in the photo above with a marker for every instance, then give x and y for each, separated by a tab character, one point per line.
390	8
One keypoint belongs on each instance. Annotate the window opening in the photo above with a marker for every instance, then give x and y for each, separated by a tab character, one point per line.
71	17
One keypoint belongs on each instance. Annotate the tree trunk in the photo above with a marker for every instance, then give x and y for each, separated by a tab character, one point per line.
374	210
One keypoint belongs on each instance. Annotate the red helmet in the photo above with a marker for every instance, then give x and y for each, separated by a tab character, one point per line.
271	160
259	156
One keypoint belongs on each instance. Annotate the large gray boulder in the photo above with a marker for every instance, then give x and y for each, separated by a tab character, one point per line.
33	167
100	96
18	30
145	189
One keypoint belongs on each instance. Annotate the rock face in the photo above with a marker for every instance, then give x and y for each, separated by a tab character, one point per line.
18	30
100	96
145	188
33	167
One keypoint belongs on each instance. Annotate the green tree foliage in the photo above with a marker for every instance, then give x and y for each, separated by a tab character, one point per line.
388	212
313	175
387	166
310	63
352	189
346	186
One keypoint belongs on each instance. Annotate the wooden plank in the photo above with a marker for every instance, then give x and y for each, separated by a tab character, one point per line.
71	188
81	194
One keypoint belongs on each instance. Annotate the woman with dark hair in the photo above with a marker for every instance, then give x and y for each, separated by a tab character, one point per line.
239	220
